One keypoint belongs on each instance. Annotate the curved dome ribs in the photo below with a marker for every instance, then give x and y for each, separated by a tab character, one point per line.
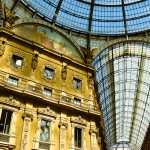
95	17
123	74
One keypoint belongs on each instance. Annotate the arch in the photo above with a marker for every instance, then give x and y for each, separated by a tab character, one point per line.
40	23
120	40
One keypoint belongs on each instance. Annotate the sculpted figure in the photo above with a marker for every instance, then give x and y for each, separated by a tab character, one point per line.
64	73
2	48
34	61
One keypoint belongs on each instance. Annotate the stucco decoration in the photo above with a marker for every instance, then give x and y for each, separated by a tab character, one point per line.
78	120
2	47
47	111
49	39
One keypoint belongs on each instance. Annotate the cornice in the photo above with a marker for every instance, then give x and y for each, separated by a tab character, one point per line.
35	45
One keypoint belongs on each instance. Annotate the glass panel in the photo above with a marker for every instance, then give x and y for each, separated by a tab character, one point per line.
127	76
45	131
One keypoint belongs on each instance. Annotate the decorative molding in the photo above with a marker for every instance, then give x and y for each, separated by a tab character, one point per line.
28	113
34	62
20	22
96	131
10	18
82	84
63	124
50	67
10	61
10	101
64	72
2	47
47	111
78	120
119	40
25	134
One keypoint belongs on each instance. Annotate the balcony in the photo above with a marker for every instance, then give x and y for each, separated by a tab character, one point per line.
56	98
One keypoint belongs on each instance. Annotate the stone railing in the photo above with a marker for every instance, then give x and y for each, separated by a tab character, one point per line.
56	97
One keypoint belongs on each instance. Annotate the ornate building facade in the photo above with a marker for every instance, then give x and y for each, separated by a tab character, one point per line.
48	99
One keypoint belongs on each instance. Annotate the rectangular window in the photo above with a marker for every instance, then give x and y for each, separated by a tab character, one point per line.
17	61
5	121
47	92
77	102
13	81
49	73
45	131
77	83
78	137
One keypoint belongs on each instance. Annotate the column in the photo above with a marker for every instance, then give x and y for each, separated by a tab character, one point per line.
26	132
63	127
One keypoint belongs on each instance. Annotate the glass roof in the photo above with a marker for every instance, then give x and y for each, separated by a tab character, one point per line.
109	17
123	76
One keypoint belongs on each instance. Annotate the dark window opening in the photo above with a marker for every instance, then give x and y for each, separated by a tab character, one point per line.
5	121
16	61
78	137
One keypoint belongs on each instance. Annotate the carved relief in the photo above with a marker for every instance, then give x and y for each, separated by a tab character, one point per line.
63	127
47	111
10	101
25	136
34	62
10	18
78	120
64	73
90	84
2	47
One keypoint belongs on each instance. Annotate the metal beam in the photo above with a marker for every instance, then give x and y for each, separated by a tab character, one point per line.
15	5
137	97
57	11
90	25
124	17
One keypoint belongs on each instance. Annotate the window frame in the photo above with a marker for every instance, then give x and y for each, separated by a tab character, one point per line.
14	59
9	82
46	95
80	123
48	115
81	130
7	110
78	81
50	70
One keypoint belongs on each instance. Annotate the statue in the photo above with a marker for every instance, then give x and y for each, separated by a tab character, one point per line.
34	61
90	84
10	18
64	73
2	47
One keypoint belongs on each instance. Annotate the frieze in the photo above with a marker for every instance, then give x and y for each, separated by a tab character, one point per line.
78	120
104	46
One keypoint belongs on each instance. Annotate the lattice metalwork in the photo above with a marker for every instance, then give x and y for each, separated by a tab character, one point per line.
95	16
123	76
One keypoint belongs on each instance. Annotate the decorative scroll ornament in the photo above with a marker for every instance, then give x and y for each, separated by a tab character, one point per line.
47	111
34	61
10	101
78	120
10	18
2	47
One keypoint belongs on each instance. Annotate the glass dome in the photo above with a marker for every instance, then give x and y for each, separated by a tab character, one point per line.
109	17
